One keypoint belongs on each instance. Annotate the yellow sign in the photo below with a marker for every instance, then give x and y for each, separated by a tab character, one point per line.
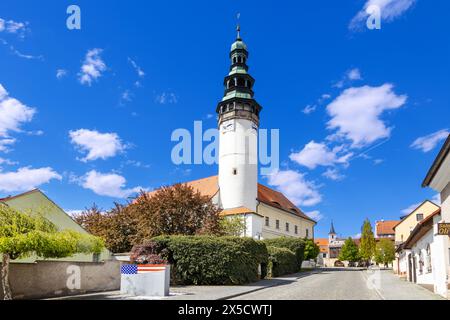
444	229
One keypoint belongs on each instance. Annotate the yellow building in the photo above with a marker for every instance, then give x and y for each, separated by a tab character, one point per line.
403	230
37	201
404	227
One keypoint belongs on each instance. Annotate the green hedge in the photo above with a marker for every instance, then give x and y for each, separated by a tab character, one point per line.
281	261
207	260
296	245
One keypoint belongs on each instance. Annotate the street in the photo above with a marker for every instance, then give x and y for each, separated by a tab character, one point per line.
319	284
344	284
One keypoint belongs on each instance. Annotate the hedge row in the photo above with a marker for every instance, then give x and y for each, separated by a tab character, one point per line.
209	260
206	260
296	245
281	261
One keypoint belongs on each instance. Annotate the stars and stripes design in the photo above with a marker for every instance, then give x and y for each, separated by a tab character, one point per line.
141	268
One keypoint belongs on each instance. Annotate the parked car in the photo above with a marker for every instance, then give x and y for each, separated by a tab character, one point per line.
339	264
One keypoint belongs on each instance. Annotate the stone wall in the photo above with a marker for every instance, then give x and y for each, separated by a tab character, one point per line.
44	279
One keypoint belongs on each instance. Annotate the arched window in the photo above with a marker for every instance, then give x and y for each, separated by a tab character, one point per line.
421	262
429	266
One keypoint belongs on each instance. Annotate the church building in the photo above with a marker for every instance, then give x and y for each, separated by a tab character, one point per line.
267	213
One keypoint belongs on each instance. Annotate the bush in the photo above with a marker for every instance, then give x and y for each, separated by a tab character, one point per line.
281	261
150	253
296	245
208	260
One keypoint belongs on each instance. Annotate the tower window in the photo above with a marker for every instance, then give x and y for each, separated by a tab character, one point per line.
234	171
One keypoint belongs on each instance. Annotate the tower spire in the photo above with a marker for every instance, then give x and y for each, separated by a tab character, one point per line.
332	228
238	27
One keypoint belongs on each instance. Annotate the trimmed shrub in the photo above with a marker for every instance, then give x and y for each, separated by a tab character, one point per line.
208	260
281	261
296	245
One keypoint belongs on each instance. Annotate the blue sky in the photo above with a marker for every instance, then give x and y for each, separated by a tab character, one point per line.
350	102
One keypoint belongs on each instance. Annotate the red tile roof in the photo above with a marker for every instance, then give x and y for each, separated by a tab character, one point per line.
385	227
322	243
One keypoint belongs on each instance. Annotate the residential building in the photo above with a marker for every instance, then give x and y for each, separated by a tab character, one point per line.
329	248
36	201
438	178
267	213
385	229
422	253
403	230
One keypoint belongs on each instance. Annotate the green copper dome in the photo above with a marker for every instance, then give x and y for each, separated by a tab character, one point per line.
238	44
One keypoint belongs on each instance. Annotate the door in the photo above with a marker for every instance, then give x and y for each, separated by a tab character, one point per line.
409	268
414	270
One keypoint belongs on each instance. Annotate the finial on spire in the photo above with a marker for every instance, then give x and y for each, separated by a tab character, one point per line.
238	27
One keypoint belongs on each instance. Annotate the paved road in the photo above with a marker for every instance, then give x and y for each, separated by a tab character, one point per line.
343	285
330	284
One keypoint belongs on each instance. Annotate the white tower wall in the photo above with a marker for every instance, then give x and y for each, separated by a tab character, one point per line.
238	168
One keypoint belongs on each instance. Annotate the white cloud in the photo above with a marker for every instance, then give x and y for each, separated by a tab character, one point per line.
25	179
13	114
108	184
19	54
309	109
73	213
5	144
378	161
435	199
60	73
318	154
356	113
349	76
92	67
315	215
333	174
97	145
294	186
138	69
12	26
429	142
6	161
166	98
389	9
354	74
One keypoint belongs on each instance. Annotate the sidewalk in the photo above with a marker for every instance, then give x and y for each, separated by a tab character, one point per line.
391	287
197	292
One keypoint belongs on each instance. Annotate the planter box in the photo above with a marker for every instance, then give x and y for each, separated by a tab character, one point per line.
145	280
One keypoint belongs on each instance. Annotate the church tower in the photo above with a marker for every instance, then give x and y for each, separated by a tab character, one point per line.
331	234
238	121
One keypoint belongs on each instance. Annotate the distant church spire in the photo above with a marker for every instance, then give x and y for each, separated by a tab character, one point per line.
332	228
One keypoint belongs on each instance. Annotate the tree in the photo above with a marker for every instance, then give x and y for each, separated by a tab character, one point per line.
367	244
385	252
311	250
349	251
23	234
233	226
175	210
118	227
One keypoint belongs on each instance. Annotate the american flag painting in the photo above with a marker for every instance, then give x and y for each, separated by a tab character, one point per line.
141	268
